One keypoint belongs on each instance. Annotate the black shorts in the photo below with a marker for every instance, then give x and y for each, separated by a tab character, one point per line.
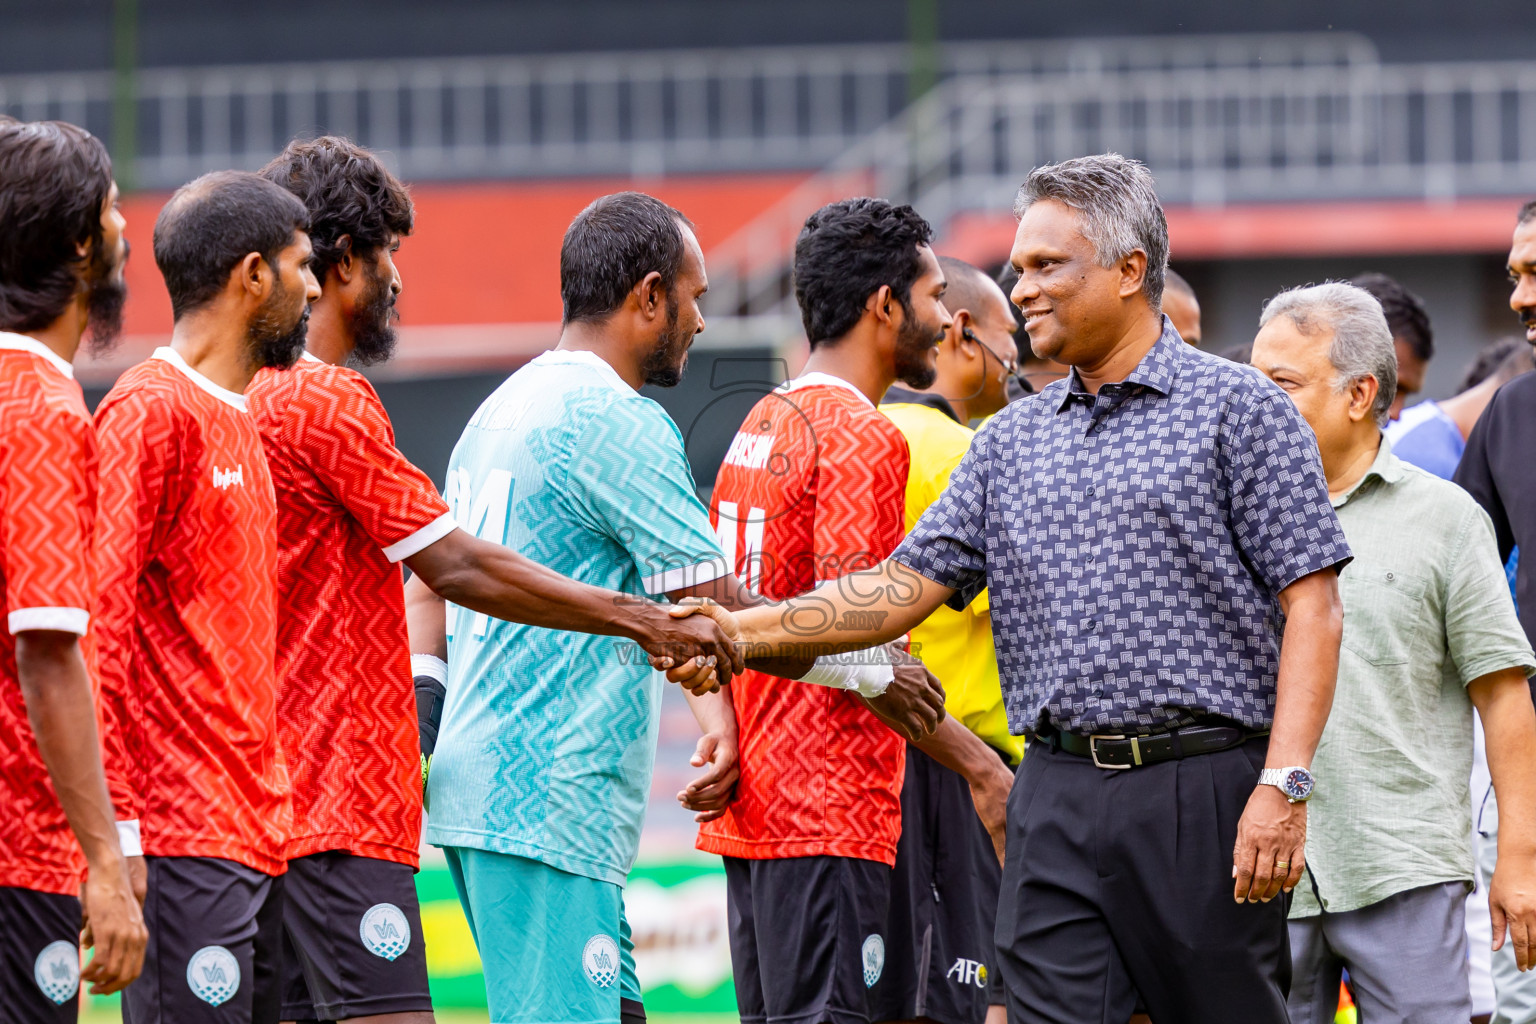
39	957
351	939
215	944
807	938
941	960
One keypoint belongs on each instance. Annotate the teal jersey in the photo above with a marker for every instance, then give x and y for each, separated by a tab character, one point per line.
548	738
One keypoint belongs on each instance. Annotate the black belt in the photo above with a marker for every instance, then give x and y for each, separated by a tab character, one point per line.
1119	751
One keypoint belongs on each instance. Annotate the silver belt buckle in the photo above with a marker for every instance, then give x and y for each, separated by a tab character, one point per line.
1093	751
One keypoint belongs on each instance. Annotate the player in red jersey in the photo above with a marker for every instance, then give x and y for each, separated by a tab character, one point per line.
812	488
61	272
351	507
186	553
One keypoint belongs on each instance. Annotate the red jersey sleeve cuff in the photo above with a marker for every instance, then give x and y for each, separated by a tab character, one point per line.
62	620
422	539
685	576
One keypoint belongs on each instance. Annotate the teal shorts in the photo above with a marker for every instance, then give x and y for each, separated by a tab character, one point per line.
555	946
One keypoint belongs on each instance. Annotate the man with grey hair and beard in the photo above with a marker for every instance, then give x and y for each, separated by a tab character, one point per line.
1429	633
1146	528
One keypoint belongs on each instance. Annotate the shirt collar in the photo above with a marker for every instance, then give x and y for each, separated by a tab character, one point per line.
817	378
310	357
167	354
23	343
1386	467
1157	370
901	396
583	357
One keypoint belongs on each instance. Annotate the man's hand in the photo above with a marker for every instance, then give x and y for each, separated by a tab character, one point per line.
696	675
114	926
710	793
913	704
1512	904
690	629
989	792
1271	846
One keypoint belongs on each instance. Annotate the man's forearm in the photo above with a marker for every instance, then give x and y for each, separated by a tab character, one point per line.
1309	670
62	710
426	619
713	711
503	584
850	613
1509	730
960	750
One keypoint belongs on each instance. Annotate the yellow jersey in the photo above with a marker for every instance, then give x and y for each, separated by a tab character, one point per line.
956	646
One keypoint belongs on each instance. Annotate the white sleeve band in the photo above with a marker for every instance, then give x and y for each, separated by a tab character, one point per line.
668	580
422	539
128	838
843	672
431	666
61	620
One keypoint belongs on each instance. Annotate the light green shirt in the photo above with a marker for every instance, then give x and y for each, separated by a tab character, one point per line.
1426	611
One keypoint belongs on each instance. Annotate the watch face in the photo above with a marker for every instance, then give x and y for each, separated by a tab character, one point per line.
1298	784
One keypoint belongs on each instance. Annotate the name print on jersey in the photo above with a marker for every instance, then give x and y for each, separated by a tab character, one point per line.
750	451
226	478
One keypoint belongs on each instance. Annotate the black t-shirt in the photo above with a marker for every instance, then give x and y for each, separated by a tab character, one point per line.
1499	470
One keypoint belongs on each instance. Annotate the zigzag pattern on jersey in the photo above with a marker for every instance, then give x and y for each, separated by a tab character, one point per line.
346	705
48	501
549	737
186	632
820	775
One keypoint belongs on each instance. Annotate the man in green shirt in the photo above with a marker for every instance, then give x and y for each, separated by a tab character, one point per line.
1429	633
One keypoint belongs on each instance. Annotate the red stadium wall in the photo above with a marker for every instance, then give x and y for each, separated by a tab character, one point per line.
485	254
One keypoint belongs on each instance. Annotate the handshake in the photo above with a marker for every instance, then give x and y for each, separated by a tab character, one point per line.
701	645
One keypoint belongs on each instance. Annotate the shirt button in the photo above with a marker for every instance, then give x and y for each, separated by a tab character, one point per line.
1391	577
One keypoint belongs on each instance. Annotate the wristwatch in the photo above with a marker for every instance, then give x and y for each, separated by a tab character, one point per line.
1295	782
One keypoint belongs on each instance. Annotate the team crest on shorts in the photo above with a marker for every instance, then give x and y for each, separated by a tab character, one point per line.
874	959
213	974
385	931
57	971
600	959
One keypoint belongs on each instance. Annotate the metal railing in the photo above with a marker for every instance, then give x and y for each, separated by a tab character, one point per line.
642	114
1210	135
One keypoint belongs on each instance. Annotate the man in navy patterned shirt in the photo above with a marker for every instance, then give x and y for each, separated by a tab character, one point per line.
1148	528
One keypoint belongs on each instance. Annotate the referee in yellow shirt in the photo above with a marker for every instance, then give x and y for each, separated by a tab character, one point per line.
945	885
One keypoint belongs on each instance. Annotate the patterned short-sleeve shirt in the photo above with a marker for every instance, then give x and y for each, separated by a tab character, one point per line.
1134	543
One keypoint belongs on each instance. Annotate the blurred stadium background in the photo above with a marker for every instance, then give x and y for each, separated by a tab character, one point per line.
1291	143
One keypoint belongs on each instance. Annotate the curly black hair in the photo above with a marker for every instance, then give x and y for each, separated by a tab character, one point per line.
1407	318
54	181
845	252
354	201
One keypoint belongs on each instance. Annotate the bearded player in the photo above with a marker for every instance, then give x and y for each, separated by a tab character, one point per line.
940	953
813	488
61	274
186	554
350	509
540	780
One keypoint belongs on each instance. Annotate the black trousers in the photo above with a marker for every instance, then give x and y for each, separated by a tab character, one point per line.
1120	882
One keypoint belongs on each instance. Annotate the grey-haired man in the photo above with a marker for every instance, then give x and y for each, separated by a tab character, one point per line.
1429	633
1146	529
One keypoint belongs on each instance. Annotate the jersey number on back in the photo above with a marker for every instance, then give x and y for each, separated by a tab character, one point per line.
483	513
727	524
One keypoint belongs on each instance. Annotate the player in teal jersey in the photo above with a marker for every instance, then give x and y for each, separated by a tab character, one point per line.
544	756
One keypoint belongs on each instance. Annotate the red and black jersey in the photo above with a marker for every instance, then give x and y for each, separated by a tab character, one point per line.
47	517
350	508
186	623
813	487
